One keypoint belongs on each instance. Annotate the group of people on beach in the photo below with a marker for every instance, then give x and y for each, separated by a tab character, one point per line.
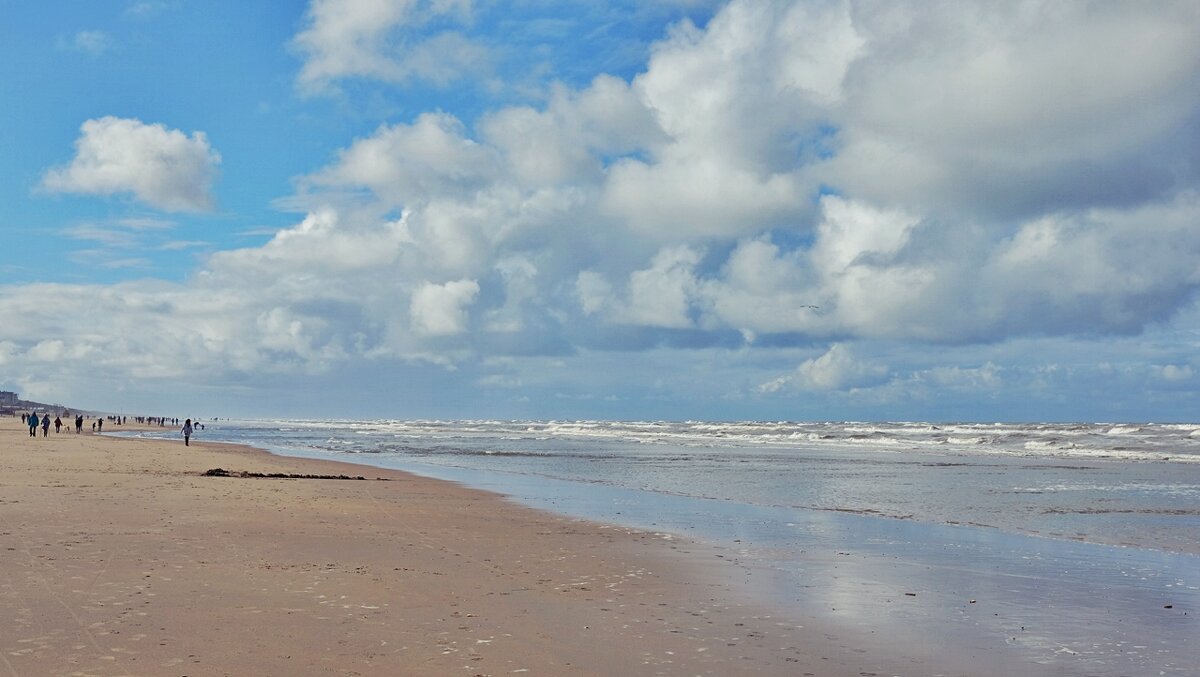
160	421
34	422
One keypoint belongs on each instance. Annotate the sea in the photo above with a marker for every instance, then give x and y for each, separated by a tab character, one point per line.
1043	548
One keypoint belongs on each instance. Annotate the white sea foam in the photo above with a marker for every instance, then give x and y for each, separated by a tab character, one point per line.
1050	444
968	440
1123	430
932	472
1124	441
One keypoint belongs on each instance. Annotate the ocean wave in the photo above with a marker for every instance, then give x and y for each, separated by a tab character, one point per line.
1122	430
1139	442
1160	489
881	440
968	440
1049	445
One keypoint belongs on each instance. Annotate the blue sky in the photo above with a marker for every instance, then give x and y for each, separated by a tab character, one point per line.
688	209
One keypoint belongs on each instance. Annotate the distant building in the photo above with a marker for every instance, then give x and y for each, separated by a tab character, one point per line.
8	399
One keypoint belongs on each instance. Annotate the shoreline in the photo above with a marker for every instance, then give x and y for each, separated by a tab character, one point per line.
1045	606
123	559
1138	499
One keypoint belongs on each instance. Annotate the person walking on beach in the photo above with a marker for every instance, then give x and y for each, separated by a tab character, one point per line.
57	425
100	425
45	425
33	424
187	432
79	424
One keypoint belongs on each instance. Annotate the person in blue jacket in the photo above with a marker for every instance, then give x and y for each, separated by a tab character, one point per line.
33	424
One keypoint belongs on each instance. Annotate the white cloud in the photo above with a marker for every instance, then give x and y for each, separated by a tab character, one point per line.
1107	270
987	376
836	369
698	149
110	237
929	174
761	289
700	198
595	292
518	275
606	194
569	139
735	102
1175	372
882	274
146	223
438	309
146	10
661	295
321	244
853	234
1014	108
413	163
164	168
374	39
93	42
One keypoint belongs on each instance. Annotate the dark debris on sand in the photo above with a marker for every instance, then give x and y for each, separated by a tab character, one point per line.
221	472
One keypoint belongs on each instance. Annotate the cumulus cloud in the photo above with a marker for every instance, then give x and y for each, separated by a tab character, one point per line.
570	139
716	173
164	168
660	296
594	292
832	172
690	197
883	274
373	39
725	139
1011	109
415	162
438	309
760	289
1176	372
836	369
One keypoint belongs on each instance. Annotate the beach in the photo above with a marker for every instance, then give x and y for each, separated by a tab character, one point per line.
969	548
122	558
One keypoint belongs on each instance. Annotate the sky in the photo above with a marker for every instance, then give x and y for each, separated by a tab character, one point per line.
564	209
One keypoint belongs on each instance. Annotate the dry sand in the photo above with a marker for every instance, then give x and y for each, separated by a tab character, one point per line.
118	557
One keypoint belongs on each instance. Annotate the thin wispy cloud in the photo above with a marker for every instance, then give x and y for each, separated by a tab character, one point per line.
179	245
90	42
146	223
112	237
147	10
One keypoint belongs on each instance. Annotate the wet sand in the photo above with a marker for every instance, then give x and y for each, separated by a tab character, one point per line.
119	557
